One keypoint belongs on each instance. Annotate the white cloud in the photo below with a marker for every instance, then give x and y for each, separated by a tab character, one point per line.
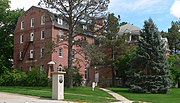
26	4
175	8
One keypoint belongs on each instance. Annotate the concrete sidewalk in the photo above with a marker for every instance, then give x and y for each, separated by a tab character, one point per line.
118	97
17	98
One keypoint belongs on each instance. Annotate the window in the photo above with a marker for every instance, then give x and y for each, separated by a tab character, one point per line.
60	21
74	54
31	54
32	22
60	52
21	38
42	52
20	55
86	74
41	68
31	36
42	20
42	34
59	68
22	25
84	27
60	35
30	68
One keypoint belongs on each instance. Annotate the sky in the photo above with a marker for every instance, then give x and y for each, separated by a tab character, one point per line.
163	12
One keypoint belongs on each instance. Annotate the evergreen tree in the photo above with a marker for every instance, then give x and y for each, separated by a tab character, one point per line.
149	68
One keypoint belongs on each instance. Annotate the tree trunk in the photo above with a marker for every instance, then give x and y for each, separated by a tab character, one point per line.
70	45
112	66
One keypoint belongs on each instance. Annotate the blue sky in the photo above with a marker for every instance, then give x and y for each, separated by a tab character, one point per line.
137	11
132	11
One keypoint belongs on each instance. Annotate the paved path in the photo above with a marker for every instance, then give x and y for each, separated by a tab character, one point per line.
120	98
17	98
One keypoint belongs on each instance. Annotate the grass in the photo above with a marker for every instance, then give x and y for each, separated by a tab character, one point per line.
77	94
172	97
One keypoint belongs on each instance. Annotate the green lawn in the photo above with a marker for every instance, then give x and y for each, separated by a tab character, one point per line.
172	97
80	94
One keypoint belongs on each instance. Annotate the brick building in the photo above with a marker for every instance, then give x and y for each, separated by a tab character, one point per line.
35	34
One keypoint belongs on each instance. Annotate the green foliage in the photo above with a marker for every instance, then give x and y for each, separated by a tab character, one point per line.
74	12
35	77
149	71
77	77
174	61
8	19
12	78
122	64
173	34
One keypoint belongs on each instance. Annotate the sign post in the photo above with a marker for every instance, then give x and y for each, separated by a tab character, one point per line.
58	85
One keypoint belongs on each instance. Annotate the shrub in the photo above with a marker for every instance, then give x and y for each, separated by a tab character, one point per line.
12	77
35	77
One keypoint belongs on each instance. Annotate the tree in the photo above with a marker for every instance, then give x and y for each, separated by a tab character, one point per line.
112	43
8	19
149	68
173	34
174	61
122	64
73	12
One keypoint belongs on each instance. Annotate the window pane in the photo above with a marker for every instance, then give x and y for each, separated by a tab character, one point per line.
60	51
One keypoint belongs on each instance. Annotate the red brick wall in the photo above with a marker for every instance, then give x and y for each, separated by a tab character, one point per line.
35	13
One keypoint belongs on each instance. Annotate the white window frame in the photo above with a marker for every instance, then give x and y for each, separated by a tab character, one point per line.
60	68
43	20
31	54
32	22
60	52
60	21
22	25
32	36
21	38
84	27
30	68
41	68
60	35
20	55
41	52
42	34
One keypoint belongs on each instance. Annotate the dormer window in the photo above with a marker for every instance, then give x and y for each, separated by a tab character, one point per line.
42	20
32	22
22	25
60	21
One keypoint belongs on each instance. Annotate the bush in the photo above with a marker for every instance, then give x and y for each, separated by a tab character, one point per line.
35	77
12	77
77	77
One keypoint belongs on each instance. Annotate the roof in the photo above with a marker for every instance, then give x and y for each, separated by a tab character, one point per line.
129	28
